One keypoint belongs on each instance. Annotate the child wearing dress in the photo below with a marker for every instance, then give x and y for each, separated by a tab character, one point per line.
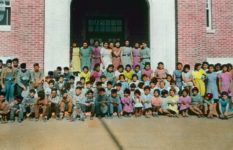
134	80
168	81
110	74
173	100
152	87
156	103
137	103
177	75
126	100
119	89
148	71
165	102
224	105
187	78
132	89
184	101
124	83
147	99
161	73
212	87
208	105
230	108
173	86
141	87
119	71
138	72
145	80
97	72
128	73
225	79
196	102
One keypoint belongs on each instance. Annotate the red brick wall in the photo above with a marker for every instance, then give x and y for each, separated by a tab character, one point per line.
26	38
194	43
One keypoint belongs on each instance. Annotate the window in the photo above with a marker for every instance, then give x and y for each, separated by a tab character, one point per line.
209	14
105	25
5	13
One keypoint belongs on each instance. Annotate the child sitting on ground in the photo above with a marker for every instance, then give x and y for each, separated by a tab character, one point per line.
137	103
156	103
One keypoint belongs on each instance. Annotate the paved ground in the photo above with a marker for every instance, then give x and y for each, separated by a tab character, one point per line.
129	134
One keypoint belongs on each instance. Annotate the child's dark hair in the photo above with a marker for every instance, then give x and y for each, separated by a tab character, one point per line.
96	65
172	82
121	75
79	88
144	75
140	85
157	90
224	65
127	91
41	94
90	92
89	82
196	65
82	78
32	91
78	82
103	76
164	92
99	83
224	93
85	67
186	66
177	64
146	88
113	91
185	90
137	92
134	75
59	68
172	89
66	68
137	66
109	83
128	66
195	89
72	77
119	84
120	66
205	63
132	86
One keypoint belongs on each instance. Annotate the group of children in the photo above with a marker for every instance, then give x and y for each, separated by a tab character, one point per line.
124	91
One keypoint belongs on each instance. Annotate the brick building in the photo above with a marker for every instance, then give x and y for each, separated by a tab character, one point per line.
177	30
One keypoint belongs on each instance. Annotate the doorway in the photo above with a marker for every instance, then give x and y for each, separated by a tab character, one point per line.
109	20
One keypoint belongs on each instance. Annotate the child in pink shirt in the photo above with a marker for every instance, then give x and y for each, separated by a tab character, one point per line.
156	103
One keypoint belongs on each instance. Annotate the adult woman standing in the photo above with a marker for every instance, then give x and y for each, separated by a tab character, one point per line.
116	55
95	55
126	55
106	56
85	53
136	55
76	64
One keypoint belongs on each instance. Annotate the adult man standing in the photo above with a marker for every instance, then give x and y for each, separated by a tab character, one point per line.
8	80
37	78
23	80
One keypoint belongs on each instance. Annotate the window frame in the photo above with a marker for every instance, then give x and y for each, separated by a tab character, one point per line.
209	16
6	27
